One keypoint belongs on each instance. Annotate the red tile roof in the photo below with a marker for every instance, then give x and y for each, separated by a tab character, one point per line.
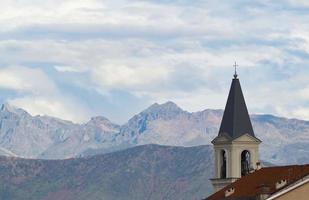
251	185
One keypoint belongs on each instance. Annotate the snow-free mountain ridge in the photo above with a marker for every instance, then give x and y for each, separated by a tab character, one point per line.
144	172
47	137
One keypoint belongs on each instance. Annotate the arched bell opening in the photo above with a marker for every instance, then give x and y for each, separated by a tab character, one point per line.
223	164
245	162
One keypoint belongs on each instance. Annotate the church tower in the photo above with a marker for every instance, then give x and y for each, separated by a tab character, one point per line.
236	148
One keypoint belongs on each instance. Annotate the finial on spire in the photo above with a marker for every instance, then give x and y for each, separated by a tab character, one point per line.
235	65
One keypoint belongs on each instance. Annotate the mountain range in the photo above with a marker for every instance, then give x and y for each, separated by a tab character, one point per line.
44	137
145	172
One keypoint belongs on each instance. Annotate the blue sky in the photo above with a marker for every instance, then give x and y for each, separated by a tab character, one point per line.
75	59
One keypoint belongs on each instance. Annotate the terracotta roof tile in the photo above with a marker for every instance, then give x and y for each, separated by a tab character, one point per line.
266	178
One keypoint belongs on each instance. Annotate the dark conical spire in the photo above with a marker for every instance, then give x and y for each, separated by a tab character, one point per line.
236	121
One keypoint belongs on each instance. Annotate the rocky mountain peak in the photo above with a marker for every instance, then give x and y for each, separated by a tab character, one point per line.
139	123
48	137
166	109
99	119
7	108
167	105
171	105
103	123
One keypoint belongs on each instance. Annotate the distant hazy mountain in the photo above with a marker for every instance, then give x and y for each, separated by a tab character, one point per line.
284	140
46	137
146	172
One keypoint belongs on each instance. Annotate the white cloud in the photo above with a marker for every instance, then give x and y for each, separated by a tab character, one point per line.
304	93
302	3
69	69
17	14
52	106
301	113
25	79
40	95
176	50
125	77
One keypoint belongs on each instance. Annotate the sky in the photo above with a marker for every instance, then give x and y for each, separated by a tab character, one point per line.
74	59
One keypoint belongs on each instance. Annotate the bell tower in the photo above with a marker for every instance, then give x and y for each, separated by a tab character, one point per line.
236	149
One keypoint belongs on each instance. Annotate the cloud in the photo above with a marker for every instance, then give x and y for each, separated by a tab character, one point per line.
125	77
301	3
38	94
27	80
301	113
54	106
156	51
68	69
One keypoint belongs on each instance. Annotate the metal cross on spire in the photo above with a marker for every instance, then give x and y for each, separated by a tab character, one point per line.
235	66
